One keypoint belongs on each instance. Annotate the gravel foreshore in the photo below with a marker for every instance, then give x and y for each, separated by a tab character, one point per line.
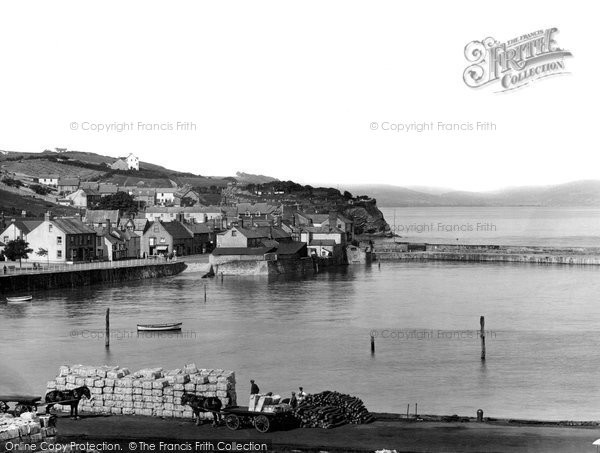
402	436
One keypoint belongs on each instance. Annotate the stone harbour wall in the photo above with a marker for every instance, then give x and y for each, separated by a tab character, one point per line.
150	391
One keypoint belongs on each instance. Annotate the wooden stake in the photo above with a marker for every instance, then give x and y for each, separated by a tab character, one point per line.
416	410
372	344
205	292
407	411
107	333
482	333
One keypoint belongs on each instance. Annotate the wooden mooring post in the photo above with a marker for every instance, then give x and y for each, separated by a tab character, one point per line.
482	334
205	292
407	411
107	332
372	344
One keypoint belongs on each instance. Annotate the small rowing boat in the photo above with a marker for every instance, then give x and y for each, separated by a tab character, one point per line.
18	300
159	327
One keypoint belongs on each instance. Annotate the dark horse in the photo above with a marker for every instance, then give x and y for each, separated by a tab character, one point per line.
70	397
203	404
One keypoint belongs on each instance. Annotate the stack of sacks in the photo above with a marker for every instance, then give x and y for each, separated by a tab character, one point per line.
151	391
28	429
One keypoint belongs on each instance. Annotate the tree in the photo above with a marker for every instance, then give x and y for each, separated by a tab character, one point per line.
17	250
43	252
121	201
347	195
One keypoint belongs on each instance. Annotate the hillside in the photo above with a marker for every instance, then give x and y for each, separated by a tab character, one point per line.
12	204
573	194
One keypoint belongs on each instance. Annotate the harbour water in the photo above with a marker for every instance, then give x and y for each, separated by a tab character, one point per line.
543	333
498	225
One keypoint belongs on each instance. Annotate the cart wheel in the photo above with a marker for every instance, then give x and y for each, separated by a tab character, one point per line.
232	422
3	407
21	409
262	423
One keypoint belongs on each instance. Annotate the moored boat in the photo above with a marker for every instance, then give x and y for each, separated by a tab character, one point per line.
159	327
18	300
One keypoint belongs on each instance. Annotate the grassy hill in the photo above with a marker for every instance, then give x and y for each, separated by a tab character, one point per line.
12	204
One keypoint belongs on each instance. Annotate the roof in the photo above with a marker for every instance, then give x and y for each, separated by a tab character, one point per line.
254	233
290	248
323	242
140	224
177	230
263	208
219	251
274	232
100	216
89	185
51	176
179	209
90	191
68	182
72	226
107	188
26	226
199	228
321	230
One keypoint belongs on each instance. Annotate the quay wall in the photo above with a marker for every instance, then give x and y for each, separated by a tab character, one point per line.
86	277
491	257
276	267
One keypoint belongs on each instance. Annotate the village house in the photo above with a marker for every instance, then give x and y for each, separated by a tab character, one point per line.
130	162
48	180
205	236
185	196
238	237
18	229
166	237
84	198
191	214
101	218
67	185
65	239
165	195
115	244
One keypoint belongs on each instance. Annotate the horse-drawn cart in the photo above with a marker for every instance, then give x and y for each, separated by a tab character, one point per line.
23	403
240	416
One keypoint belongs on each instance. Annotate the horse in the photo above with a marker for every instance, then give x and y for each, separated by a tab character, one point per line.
203	404
72	396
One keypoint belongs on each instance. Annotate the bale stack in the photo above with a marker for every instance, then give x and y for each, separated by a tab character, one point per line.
150	391
26	429
330	410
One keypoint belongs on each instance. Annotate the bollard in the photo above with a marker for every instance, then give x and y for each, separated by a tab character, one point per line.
482	325
107	335
205	292
479	415
372	344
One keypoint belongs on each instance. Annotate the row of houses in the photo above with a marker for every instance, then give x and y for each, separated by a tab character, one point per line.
88	194
103	235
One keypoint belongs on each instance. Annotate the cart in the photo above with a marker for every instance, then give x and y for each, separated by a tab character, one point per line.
23	403
239	416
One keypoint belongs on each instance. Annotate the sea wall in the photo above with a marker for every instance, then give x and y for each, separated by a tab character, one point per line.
491	257
50	280
151	391
276	267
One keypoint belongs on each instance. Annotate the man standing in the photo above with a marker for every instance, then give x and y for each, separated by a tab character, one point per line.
293	400
254	390
301	395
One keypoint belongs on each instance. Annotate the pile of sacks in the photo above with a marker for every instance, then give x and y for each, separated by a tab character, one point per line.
151	391
27	429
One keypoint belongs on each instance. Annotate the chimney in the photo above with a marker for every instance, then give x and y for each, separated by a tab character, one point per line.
332	220
179	217
270	231
47	216
108	226
23	213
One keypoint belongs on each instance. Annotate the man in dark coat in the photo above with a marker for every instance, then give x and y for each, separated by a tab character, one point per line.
254	390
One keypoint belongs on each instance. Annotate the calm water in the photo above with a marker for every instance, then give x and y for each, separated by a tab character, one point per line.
511	226
543	340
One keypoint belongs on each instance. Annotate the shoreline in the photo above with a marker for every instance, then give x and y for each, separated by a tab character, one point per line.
384	433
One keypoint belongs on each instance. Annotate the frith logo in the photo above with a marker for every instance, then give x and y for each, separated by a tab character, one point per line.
514	63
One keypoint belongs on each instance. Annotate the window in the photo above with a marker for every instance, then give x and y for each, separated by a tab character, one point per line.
59	253
71	239
5	239
152	242
156	228
50	228
58	240
233	233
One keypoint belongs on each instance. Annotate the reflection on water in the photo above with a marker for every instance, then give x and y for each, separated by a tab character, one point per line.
315	331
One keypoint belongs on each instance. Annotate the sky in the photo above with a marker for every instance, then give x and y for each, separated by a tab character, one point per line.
291	89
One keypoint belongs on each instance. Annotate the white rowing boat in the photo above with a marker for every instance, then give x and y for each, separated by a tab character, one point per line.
159	327
18	300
